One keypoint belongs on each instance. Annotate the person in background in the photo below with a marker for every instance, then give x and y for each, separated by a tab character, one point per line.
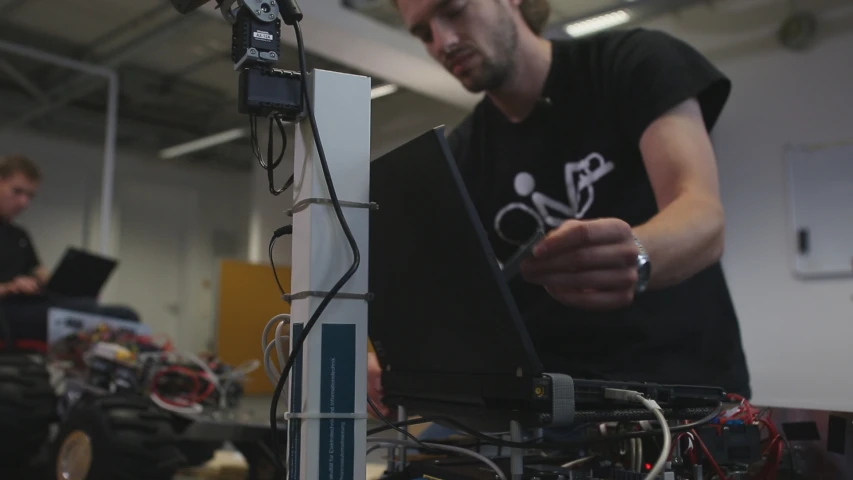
603	142
21	272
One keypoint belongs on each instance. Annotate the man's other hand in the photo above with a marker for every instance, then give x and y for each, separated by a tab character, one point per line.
589	264
374	385
22	285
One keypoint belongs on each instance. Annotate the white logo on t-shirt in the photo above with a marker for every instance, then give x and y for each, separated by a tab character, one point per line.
580	178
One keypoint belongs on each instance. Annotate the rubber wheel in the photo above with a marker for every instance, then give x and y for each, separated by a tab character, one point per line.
27	408
117	438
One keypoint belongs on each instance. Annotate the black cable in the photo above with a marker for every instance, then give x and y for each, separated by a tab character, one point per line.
538	444
5	329
269	164
280	232
272	264
390	424
289	181
404	423
373	448
792	473
297	346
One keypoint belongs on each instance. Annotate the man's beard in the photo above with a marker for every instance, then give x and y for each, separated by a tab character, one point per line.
494	72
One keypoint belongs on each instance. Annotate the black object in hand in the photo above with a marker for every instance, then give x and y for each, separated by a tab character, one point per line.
513	266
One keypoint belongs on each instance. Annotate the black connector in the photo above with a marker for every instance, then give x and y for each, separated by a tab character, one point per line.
254	41
290	12
282	231
267	91
733	444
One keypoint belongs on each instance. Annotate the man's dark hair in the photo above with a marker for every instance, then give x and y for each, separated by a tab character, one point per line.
534	12
12	164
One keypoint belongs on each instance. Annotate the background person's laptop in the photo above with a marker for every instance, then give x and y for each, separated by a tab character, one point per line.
80	274
444	324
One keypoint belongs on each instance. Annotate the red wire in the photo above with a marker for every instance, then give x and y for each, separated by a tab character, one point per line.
751	412
773	452
777	458
707	453
207	391
183	371
750	416
771	468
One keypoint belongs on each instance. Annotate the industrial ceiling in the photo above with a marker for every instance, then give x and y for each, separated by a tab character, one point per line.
177	80
561	10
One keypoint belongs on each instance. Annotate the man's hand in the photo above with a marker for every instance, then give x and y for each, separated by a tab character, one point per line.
22	285
374	385
589	264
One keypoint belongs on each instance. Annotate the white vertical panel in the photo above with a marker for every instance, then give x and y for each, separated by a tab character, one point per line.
335	352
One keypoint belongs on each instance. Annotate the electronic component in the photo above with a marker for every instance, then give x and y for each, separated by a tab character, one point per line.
111	367
256	36
264	92
456	468
732	443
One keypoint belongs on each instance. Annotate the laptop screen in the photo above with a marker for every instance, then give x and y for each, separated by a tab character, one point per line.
80	274
441	305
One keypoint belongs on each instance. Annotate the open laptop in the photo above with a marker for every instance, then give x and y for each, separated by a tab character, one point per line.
80	274
443	321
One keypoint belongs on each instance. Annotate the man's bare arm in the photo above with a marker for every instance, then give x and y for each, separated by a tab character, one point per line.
687	235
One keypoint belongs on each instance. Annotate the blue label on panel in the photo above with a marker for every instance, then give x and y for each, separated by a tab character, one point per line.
294	432
337	439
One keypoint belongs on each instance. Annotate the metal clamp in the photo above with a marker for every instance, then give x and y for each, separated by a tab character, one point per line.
303	204
289	297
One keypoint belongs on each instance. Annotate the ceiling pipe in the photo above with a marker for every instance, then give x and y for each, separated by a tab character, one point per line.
18	77
77	87
87	53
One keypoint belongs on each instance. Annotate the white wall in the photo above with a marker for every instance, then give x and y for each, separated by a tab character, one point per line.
796	333
66	213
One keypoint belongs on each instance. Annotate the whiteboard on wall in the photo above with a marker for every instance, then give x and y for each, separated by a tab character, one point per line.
820	190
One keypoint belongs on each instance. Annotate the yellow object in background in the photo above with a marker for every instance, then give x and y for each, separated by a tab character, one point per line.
247	299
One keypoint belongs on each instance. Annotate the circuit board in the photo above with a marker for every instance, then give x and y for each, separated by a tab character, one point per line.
534	469
735	446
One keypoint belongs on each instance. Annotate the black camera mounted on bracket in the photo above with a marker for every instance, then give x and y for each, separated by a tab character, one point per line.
264	91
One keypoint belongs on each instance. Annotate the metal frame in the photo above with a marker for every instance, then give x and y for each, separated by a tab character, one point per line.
108	173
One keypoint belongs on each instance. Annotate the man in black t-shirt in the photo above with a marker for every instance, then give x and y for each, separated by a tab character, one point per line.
603	142
21	272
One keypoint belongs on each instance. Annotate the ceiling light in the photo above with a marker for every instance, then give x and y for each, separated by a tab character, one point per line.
203	143
235	133
598	23
378	92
